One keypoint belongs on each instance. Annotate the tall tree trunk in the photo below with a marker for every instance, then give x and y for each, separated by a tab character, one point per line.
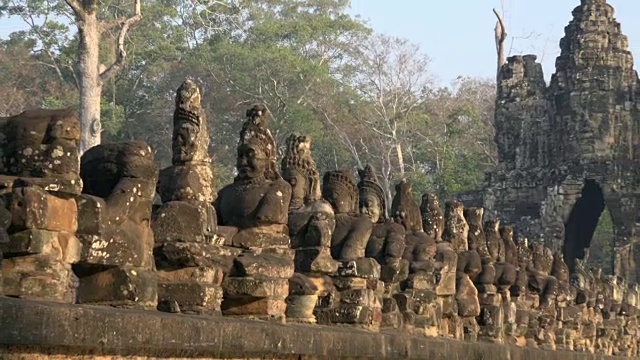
90	75
90	82
500	37
400	158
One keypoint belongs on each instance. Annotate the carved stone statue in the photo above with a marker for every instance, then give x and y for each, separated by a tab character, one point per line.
299	170
506	267
432	218
190	139
540	279
476	238
258	195
353	230
387	241
405	210
114	215
185	187
311	219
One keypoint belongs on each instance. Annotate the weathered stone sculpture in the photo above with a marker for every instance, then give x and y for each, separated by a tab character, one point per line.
258	197
419	247
357	280
311	224
387	241
189	257
432	218
39	177
353	230
468	267
185	188
386	244
253	212
41	145
114	214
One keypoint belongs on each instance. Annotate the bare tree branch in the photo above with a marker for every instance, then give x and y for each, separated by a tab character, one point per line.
78	10
115	67
500	36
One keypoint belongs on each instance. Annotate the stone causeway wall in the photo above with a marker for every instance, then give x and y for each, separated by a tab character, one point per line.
284	263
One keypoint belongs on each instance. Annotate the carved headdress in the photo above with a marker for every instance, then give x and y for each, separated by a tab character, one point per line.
297	159
342	179
255	131
188	103
369	184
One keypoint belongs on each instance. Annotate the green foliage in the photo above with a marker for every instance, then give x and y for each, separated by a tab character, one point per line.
601	248
311	63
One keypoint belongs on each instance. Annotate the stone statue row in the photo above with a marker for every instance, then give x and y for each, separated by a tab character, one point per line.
280	244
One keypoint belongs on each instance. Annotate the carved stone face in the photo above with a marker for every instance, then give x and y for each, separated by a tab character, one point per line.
340	199
299	187
184	141
252	161
370	206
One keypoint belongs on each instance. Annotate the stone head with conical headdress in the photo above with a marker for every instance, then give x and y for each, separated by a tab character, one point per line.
372	199
299	170
257	147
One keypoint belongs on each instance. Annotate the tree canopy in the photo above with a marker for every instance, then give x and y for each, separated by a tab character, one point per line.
362	96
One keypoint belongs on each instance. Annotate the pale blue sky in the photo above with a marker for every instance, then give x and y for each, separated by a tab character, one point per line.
458	34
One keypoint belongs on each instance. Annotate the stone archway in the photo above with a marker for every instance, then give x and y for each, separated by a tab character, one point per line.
582	222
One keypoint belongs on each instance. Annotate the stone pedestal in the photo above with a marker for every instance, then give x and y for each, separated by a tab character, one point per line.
258	282
116	267
41	245
311	230
358	296
190	276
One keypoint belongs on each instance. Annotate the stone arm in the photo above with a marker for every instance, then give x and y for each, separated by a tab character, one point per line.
274	206
395	242
125	199
356	240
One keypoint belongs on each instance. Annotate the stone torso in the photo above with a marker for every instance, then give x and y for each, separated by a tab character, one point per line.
246	205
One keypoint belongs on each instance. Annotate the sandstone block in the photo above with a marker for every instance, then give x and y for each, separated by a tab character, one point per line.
195	274
262	265
119	247
394	271
260	237
63	246
302	285
467	297
255	287
127	287
316	260
421	281
392	320
68	184
301	307
350	314
192	297
175	254
39	277
92	217
184	222
187	182
260	306
34	208
360	297
446	284
344	283
366	268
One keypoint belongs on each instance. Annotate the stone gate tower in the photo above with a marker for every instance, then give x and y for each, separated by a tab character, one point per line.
570	149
